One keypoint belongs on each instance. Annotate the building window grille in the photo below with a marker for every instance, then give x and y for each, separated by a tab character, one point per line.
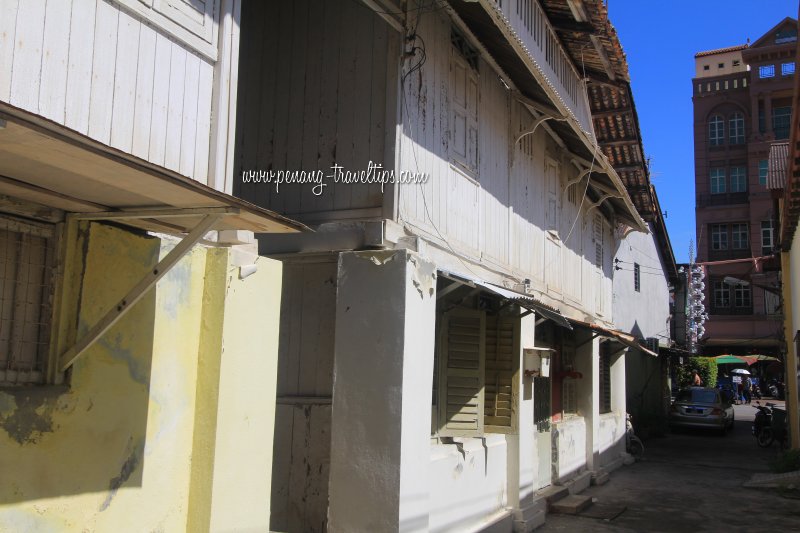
741	296
739	236
716	131
763	168
766	71
722	296
787	69
736	128
781	121
719	236
767	235
637	278
738	179
27	257
605	380
717	180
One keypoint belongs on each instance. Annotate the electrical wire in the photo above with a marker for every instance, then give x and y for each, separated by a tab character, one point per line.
417	67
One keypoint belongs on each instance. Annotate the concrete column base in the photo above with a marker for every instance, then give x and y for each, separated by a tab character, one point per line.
531	516
579	483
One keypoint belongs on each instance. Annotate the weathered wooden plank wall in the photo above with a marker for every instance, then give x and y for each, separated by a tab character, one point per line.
102	71
305	383
497	214
312	92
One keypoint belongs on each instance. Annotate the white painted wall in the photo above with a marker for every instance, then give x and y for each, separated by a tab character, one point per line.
467	482
383	370
571	442
498	214
102	69
645	313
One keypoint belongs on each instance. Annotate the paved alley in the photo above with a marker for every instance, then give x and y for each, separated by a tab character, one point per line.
692	481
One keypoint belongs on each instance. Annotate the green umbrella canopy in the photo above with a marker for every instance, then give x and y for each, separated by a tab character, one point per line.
729	360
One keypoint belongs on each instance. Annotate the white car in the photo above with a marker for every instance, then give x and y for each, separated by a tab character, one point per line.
701	407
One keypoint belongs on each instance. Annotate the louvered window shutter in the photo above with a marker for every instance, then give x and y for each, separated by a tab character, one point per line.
502	365
461	401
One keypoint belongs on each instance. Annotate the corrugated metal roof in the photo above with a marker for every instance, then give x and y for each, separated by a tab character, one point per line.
619	336
524	300
778	159
722	50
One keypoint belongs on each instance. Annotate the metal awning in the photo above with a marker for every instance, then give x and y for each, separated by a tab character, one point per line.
615	335
524	300
60	171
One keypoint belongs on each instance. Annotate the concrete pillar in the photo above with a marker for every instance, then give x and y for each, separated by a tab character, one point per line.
619	394
792	404
383	373
587	362
768	117
754	133
522	461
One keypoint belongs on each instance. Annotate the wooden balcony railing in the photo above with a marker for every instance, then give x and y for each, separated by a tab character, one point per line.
528	22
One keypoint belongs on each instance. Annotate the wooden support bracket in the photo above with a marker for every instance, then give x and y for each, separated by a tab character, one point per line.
139	290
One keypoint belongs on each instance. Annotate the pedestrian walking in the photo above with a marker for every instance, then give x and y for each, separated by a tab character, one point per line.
747	389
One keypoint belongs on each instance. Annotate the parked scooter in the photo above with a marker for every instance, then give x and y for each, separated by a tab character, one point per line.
756	391
769	425
776	389
763	419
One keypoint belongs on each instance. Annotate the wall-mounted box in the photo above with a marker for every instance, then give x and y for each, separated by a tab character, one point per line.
536	361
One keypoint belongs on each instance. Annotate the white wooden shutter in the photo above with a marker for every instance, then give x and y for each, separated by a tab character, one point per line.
502	366
197	16
462	394
464	112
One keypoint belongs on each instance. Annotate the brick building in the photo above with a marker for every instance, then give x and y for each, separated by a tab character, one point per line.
742	104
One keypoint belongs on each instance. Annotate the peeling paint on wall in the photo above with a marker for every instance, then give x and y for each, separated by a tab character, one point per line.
379	258
424	276
128	467
26	414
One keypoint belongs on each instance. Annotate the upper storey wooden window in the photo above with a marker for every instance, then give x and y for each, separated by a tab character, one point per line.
464	105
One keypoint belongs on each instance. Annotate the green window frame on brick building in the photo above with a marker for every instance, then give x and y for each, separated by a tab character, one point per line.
781	121
736	128
763	168
716	131
738	179
717	176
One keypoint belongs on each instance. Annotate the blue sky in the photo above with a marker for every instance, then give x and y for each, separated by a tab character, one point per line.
660	39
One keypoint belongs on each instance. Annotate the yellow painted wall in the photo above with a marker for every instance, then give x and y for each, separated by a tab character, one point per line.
246	416
790	267
130	442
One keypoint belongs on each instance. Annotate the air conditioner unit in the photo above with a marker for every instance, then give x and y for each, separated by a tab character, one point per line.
651	343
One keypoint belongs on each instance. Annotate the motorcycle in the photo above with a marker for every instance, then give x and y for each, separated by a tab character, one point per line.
756	392
769	425
776	389
763	419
